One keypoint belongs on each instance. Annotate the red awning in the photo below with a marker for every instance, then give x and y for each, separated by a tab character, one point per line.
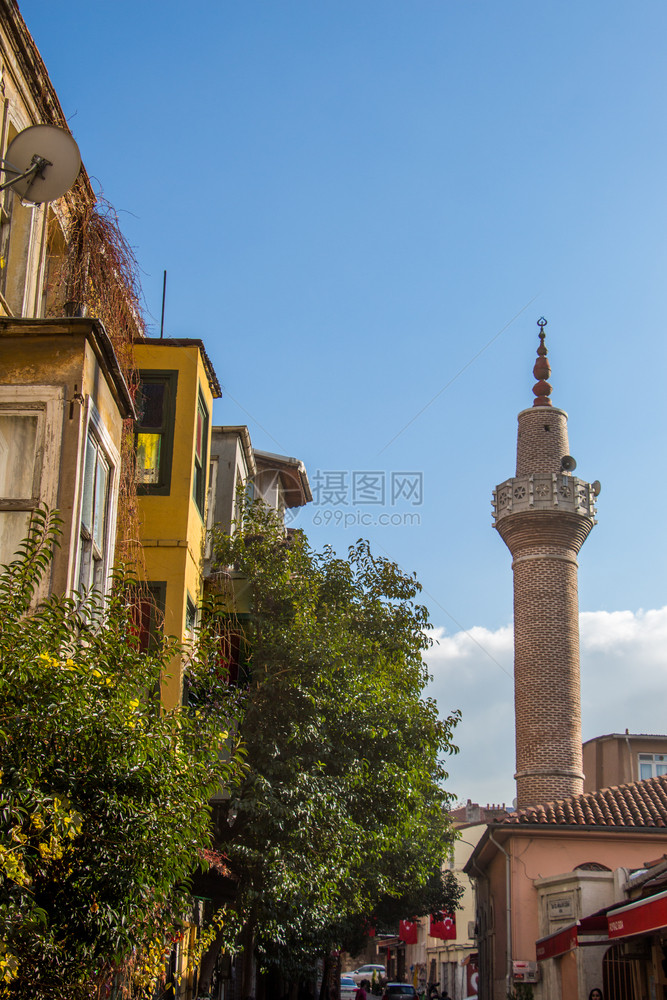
557	944
640	917
571	937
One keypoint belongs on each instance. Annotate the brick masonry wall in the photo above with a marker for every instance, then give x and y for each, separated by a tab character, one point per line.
544	546
542	440
546	679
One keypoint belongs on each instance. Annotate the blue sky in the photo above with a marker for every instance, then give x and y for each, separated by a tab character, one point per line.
364	207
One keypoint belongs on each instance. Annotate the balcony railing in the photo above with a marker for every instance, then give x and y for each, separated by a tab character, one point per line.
544	491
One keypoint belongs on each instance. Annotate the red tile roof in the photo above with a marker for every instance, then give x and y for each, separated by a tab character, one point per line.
640	803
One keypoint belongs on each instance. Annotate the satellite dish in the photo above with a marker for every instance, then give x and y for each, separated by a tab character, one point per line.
45	161
596	488
567	464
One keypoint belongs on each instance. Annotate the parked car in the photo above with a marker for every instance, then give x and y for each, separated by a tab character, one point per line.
347	988
399	991
366	972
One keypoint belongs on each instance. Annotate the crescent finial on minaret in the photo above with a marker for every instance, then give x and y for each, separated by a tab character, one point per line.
542	370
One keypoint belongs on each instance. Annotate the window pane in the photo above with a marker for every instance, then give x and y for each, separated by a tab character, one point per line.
18	437
201	441
88	487
645	771
98	575
148	614
151	404
190	618
13	529
148	458
197	489
660	769
101	487
85	564
200	431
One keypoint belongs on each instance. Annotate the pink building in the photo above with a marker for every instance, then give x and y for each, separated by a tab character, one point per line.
545	872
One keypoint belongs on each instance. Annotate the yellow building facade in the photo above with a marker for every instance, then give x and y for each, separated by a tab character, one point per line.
177	386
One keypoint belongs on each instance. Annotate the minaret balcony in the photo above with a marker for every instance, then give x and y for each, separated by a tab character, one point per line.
544	491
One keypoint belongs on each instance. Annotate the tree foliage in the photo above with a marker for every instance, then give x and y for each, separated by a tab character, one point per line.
103	796
343	807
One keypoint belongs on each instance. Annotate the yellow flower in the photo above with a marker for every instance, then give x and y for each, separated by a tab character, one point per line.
96	673
134	703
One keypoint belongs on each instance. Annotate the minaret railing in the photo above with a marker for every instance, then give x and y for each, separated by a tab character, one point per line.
544	492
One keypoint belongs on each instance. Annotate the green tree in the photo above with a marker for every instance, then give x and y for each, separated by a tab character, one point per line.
343	806
103	796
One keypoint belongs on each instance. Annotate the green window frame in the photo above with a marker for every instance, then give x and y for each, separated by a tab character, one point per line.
150	601
200	456
231	659
154	431
190	617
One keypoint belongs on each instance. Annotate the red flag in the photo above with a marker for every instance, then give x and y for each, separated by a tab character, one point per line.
407	931
443	927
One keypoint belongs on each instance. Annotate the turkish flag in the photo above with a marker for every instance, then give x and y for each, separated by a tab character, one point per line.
443	926
407	931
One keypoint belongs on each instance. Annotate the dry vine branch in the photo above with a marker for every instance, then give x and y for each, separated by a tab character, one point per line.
97	275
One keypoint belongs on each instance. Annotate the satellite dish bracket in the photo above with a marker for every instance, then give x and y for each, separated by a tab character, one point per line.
36	167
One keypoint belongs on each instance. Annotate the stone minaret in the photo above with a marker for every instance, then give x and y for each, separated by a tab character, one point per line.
544	515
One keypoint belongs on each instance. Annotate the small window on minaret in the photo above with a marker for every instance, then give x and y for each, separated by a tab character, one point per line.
546	427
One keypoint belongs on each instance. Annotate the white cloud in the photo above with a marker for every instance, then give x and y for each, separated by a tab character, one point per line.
624	685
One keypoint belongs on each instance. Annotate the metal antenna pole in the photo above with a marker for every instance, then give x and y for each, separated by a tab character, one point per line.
164	295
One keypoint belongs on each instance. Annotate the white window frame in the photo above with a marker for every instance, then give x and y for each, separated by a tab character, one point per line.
211	505
94	427
190	632
654	761
46	402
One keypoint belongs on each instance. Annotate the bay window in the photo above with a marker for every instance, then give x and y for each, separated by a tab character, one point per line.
156	412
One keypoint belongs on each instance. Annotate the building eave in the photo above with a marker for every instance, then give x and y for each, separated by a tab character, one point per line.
293	476
503	832
243	434
213	382
47	107
86	327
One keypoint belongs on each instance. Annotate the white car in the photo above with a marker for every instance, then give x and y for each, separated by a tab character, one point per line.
366	972
348	988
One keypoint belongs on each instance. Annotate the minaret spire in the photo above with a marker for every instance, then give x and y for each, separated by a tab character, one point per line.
542	370
544	515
